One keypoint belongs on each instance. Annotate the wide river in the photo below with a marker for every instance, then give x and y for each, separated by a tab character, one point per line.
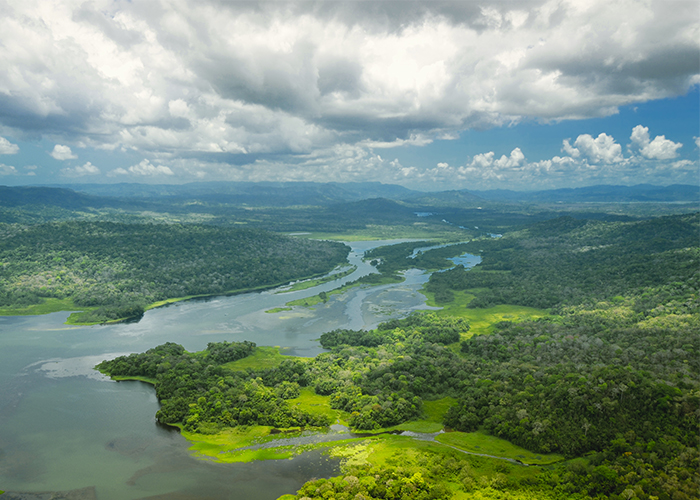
63	426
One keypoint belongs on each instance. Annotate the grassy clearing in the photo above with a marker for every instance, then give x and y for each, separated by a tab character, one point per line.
49	305
223	445
482	320
391	450
262	358
421	426
278	310
146	380
435	410
226	446
477	442
434	413
311	402
307	301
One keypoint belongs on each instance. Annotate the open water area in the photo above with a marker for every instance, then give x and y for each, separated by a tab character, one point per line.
63	426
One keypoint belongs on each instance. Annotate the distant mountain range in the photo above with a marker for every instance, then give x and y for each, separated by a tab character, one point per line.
284	194
252	193
599	194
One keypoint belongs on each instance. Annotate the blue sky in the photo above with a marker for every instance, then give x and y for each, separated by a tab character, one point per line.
430	95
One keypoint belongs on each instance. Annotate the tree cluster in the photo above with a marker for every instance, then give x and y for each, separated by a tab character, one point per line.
121	268
198	392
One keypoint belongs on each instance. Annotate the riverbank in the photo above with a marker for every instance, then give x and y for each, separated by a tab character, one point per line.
53	305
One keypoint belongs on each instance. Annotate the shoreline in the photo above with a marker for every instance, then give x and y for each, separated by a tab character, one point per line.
66	305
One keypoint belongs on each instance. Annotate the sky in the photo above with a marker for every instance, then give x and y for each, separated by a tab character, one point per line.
431	95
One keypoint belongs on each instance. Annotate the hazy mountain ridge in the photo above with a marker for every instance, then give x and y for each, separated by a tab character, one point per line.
363	197
252	193
600	193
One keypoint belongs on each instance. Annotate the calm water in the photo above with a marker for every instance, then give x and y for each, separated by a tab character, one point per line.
63	426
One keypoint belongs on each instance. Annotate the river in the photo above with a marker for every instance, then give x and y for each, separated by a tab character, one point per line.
63	426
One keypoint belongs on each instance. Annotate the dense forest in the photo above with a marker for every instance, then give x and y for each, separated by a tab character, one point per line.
611	375
566	261
119	269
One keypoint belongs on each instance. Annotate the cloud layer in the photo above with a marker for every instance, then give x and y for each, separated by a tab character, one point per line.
209	87
588	160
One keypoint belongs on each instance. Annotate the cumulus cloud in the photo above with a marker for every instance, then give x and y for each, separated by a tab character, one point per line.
515	159
486	160
80	171
7	148
144	168
658	149
483	160
602	149
62	153
588	160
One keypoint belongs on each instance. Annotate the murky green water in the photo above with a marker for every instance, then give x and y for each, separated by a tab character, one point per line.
63	426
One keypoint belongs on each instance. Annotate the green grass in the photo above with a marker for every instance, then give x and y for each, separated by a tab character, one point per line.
49	305
391	450
315	404
303	285
434	413
422	426
262	358
278	310
307	302
478	442
146	380
435	410
481	321
316	299
222	446
226	445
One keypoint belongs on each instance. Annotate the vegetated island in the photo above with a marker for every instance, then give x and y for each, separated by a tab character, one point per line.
604	390
113	271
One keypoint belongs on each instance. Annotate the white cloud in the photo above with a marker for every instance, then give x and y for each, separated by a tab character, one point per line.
7	148
486	160
589	160
195	78
602	149
684	165
569	149
144	168
483	160
7	169
658	149
515	159
62	153
80	171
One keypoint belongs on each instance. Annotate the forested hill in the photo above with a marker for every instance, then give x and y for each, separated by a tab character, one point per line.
122	268
566	261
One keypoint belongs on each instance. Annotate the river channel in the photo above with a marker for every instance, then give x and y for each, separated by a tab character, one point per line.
63	426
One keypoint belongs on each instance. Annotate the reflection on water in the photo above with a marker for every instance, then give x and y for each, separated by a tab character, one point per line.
65	427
